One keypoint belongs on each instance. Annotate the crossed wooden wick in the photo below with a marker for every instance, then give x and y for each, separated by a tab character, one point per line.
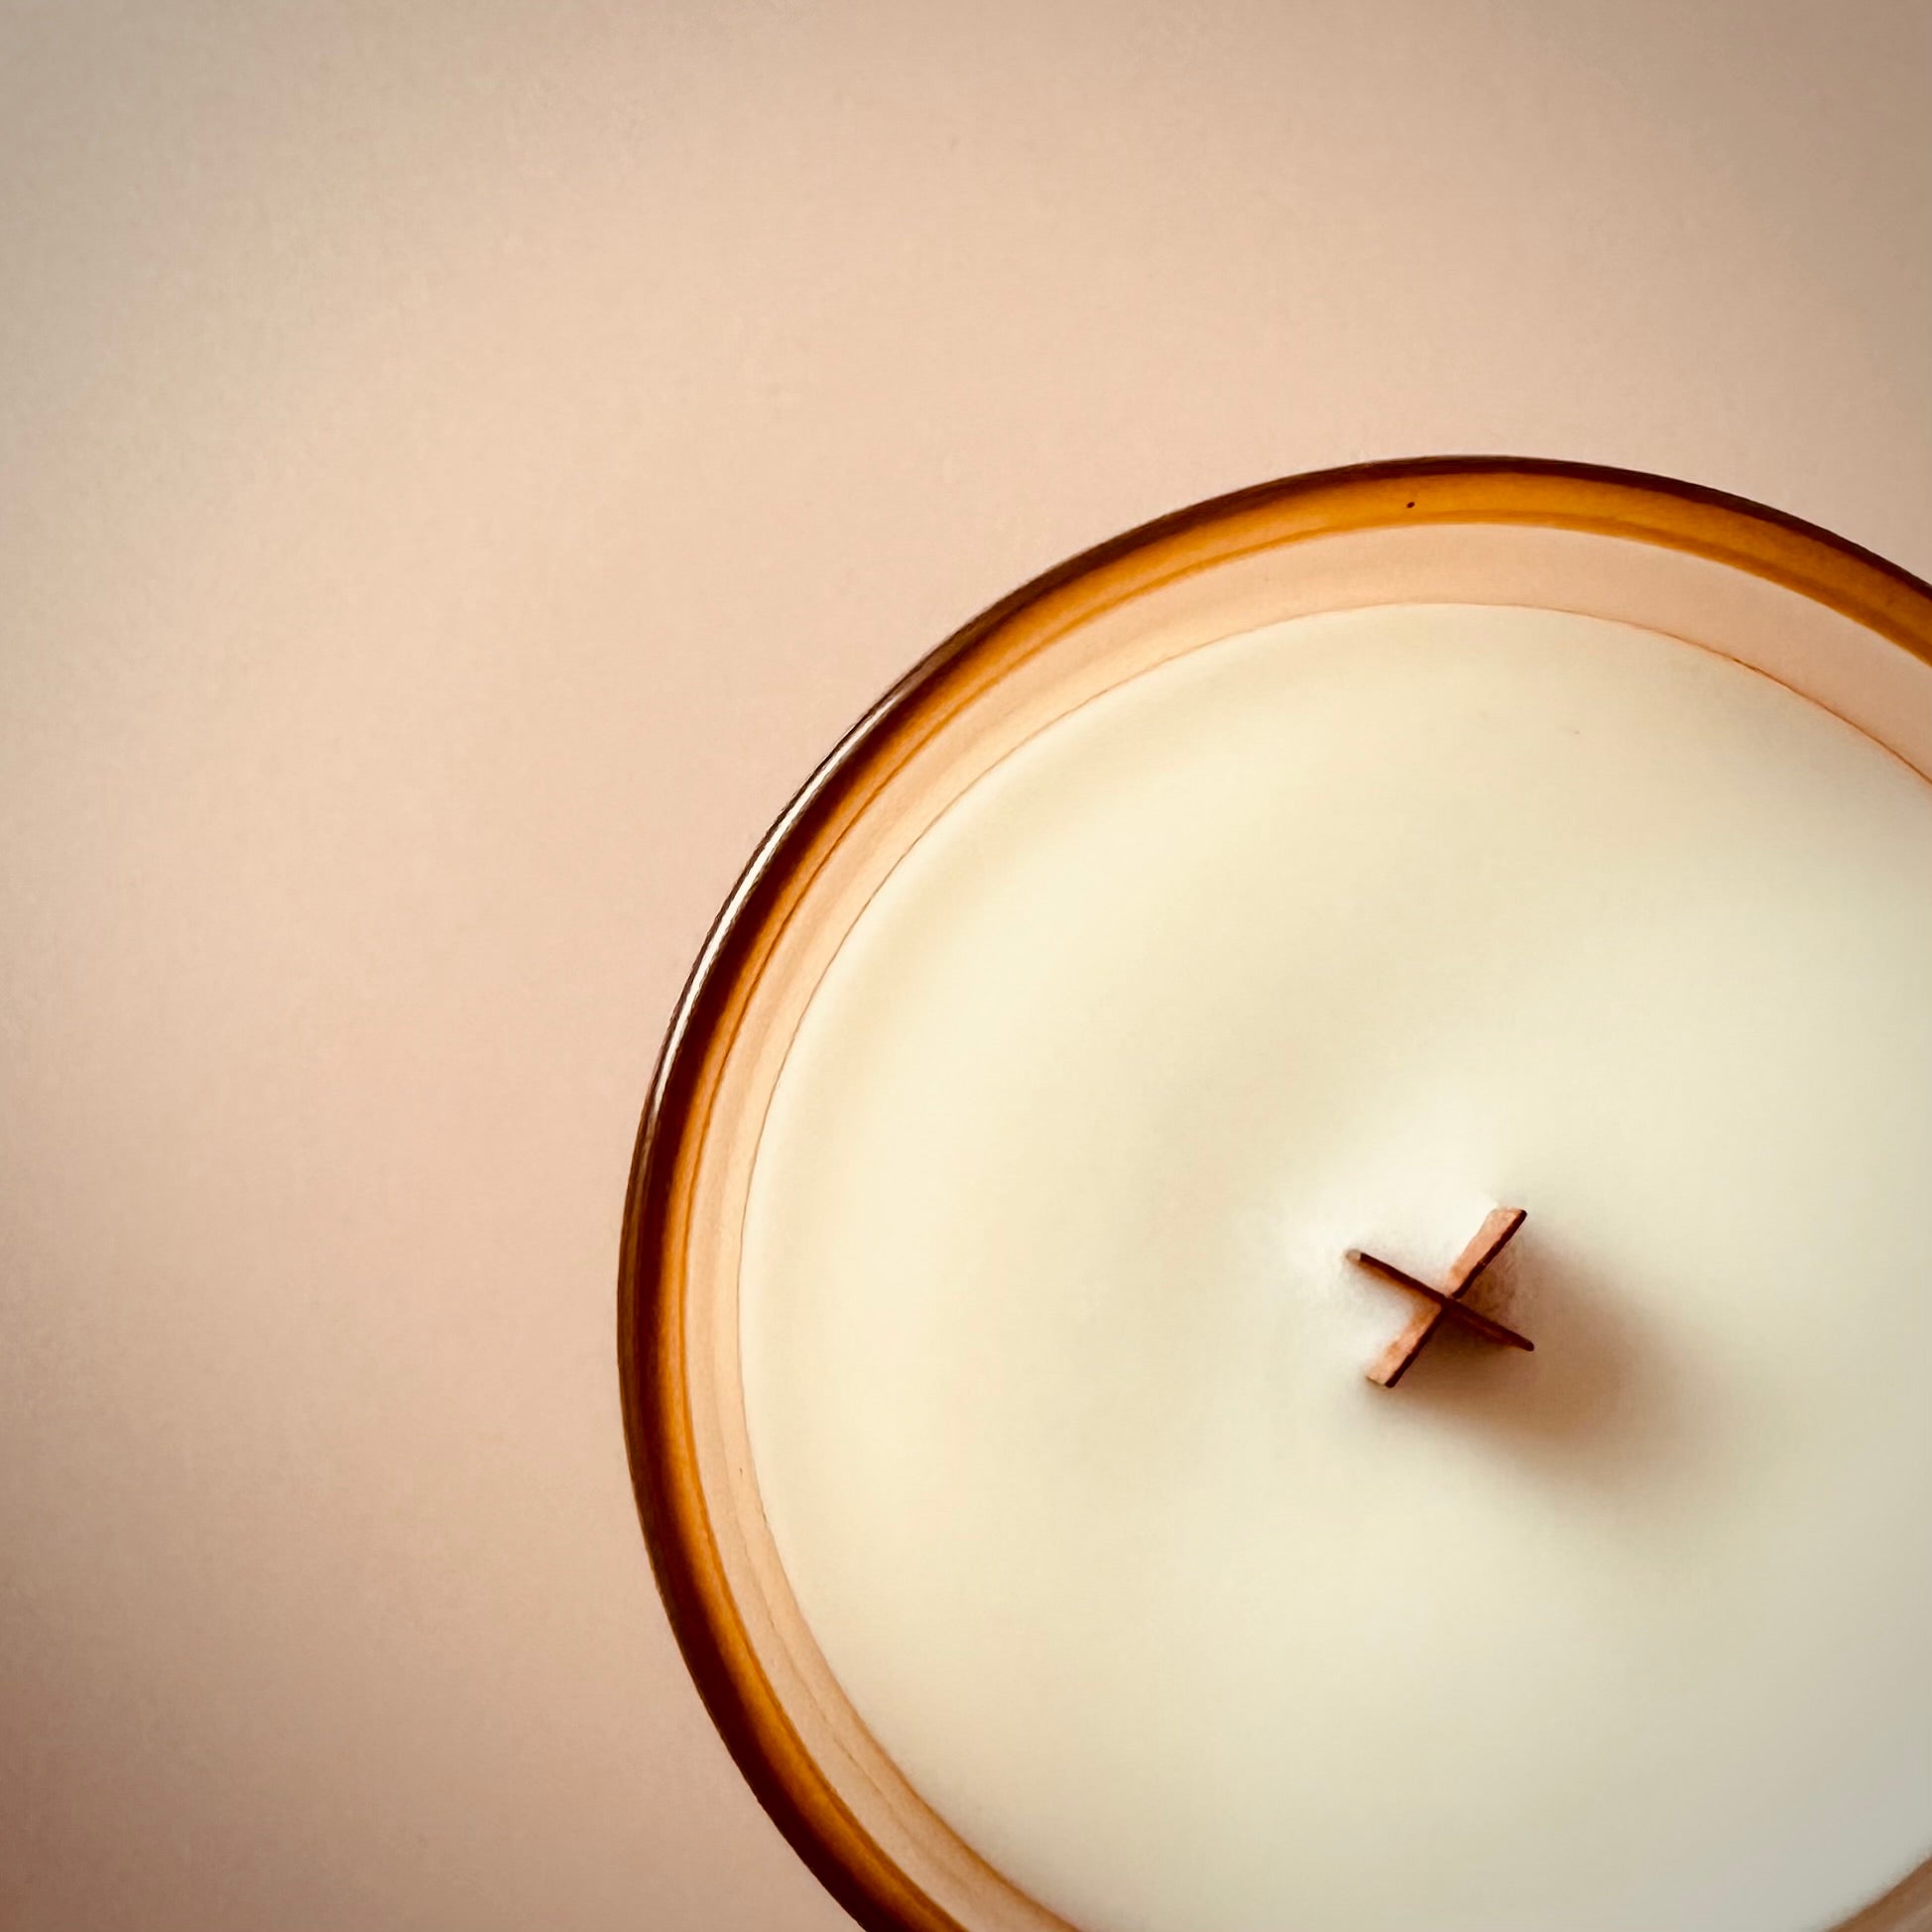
1446	1304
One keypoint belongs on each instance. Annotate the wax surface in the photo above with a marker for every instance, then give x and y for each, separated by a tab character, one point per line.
1337	934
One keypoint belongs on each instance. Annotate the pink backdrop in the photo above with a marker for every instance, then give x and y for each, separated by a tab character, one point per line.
460	464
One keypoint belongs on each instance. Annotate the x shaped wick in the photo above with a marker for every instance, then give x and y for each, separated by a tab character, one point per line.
1446	1304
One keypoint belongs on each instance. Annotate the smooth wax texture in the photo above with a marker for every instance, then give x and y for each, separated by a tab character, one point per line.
1339	934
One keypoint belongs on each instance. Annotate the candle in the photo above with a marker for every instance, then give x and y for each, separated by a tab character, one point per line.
1338	935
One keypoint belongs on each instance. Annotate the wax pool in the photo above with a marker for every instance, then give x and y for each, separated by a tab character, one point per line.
1337	934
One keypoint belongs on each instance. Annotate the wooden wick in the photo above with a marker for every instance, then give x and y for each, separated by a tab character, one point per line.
1489	1241
1493	1331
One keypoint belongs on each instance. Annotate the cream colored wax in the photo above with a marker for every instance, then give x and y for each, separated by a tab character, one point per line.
1338	934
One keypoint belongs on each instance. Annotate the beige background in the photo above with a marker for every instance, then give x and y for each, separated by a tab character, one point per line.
459	466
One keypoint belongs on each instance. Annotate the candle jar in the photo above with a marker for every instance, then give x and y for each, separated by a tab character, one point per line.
1320	869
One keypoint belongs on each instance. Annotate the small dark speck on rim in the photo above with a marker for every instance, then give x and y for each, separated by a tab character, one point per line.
1410	504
